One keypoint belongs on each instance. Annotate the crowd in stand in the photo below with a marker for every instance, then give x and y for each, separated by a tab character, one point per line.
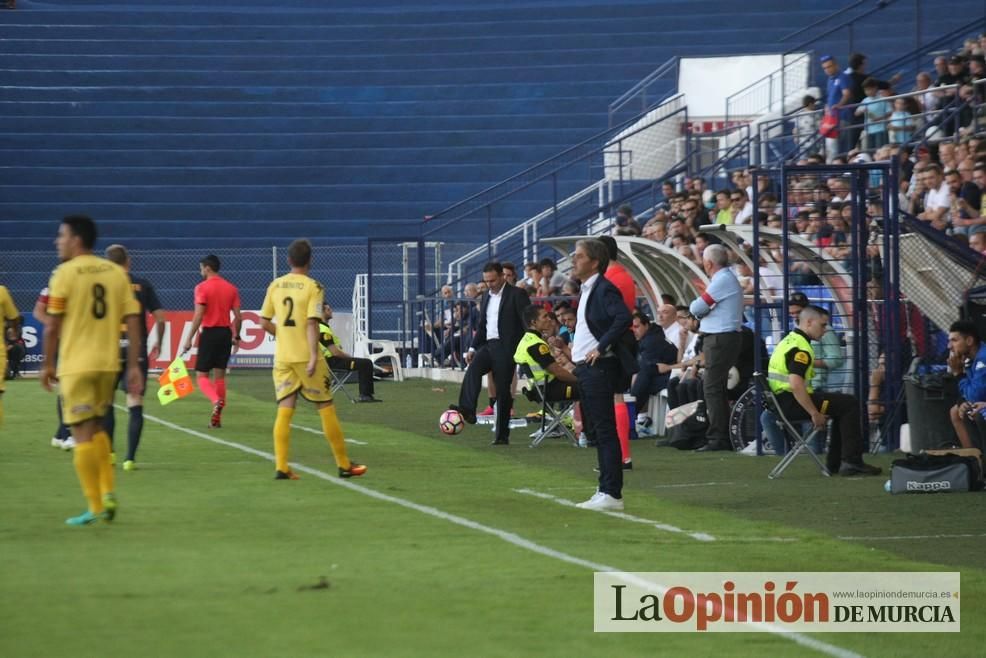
932	135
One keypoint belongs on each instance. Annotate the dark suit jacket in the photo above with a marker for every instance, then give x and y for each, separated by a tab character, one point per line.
609	320
653	349
511	318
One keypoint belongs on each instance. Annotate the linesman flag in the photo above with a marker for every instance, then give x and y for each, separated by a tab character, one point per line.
175	383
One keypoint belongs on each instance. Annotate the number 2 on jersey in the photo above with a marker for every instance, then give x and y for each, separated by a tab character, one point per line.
288	321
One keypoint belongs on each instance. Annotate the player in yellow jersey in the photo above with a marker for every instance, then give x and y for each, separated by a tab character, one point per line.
88	298
294	303
8	313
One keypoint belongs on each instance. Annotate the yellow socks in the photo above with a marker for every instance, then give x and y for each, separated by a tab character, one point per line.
282	438
86	457
106	476
333	433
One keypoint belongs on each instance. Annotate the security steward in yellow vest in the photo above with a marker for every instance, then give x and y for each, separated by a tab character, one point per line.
789	376
534	353
339	360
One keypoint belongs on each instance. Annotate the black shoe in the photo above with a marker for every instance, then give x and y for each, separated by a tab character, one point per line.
713	446
282	475
858	468
468	416
368	398
499	442
628	466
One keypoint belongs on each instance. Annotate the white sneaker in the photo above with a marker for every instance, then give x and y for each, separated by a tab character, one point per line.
602	502
56	442
68	443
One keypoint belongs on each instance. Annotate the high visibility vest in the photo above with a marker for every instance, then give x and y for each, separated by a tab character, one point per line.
522	356
777	372
325	338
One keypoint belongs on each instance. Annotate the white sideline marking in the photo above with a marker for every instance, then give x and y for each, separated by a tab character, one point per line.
509	537
911	537
319	432
700	536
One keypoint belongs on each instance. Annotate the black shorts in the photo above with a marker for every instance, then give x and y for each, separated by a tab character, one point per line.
121	379
215	344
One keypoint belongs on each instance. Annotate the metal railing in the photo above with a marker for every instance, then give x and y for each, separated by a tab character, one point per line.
767	94
645	91
600	174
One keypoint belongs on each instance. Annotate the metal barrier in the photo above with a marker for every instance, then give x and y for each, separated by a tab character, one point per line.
658	86
836	270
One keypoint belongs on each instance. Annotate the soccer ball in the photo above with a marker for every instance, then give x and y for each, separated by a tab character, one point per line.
451	422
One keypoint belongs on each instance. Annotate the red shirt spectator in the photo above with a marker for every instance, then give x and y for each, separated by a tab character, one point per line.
219	297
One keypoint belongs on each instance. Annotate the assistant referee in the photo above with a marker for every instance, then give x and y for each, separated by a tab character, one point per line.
215	299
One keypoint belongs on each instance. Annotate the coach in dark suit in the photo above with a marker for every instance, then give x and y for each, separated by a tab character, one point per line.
500	328
604	353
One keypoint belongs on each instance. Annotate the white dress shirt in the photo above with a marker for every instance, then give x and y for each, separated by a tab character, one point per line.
493	316
584	341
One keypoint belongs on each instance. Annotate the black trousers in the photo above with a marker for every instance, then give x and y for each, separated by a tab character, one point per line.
496	357
362	367
721	352
648	382
597	385
846	442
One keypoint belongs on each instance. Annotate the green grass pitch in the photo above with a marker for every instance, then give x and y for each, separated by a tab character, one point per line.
210	556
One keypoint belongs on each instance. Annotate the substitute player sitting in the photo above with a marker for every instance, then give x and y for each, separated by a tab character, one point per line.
88	298
294	302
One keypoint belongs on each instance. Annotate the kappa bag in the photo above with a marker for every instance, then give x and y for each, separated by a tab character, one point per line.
943	473
690	433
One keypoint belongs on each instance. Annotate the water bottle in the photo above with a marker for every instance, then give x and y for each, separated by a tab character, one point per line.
407	361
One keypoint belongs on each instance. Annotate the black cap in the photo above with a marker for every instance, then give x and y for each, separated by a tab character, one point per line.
798	299
956	59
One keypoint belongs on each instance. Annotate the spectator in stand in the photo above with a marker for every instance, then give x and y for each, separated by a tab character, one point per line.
551	279
566	317
902	126
977	71
964	214
724	208
929	100
858	78
690	212
625	223
656	231
977	242
742	206
956	75
509	272
838	95
941	69
875	111
938	199
667	191
806	121
532	276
